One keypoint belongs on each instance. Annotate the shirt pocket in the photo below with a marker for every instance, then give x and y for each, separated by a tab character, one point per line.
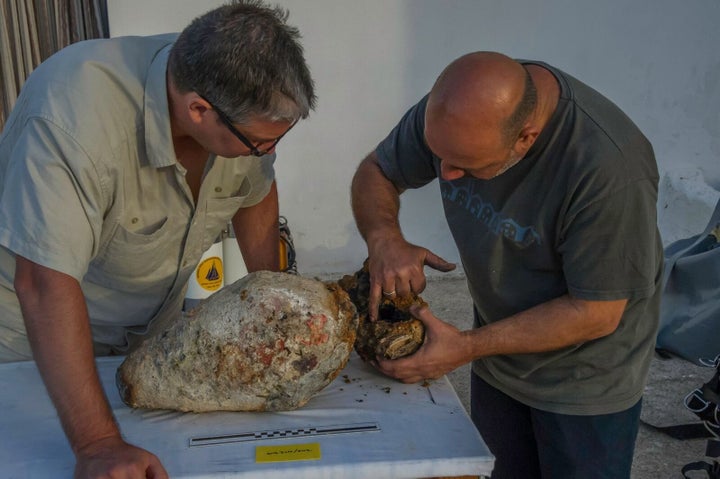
220	208
134	261
217	214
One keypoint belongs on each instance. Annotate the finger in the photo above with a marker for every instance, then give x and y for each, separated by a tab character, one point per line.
156	471
422	313
395	368
437	263
390	289
386	366
414	380
411	379
374	301
403	287
418	284
391	369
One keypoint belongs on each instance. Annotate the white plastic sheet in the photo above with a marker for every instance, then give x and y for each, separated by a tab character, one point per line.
403	431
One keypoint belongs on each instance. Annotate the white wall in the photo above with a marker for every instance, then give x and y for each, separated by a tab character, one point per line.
659	60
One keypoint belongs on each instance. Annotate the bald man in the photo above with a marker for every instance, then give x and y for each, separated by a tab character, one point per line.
550	193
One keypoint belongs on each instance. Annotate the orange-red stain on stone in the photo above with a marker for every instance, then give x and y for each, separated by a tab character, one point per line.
266	352
316	325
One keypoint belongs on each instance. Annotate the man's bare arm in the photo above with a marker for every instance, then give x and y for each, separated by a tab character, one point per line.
395	265
258	235
549	326
375	204
58	328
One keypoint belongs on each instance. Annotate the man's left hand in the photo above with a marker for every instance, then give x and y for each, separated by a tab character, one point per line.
442	351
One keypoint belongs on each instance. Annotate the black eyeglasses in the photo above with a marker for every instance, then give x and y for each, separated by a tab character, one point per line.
254	150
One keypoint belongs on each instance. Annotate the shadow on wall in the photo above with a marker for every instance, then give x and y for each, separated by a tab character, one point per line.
685	203
336	260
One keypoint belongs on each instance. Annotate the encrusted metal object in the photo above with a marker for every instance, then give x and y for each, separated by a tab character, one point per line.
267	342
396	333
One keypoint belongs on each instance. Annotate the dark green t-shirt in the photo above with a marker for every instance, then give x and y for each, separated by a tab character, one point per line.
576	216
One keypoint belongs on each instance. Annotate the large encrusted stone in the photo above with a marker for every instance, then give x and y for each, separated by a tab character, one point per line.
267	342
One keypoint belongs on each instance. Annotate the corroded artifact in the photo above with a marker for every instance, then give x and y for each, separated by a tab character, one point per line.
267	342
395	333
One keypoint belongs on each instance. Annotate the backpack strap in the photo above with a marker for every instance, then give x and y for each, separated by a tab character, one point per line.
705	403
713	469
682	432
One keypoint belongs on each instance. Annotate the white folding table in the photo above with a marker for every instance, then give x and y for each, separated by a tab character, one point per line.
363	425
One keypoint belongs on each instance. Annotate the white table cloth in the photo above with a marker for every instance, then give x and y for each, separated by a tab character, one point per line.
366	426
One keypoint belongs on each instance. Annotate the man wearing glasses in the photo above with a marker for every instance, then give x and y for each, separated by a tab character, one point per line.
119	166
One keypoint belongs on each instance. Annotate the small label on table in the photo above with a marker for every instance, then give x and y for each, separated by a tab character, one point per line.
289	452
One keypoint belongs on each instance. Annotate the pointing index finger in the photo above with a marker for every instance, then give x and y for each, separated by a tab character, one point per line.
374	300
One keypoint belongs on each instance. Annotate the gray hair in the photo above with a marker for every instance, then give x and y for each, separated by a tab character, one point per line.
516	121
247	61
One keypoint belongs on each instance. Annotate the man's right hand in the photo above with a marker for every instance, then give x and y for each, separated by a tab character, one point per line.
396	267
59	332
113	458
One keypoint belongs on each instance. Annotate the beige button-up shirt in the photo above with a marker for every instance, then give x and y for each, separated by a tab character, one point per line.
90	186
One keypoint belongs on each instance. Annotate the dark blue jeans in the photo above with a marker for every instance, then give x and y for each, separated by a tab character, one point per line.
528	443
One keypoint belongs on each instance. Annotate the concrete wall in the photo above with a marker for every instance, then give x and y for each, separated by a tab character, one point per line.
371	59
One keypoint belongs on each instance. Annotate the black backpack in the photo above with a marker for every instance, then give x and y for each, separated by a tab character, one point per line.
705	403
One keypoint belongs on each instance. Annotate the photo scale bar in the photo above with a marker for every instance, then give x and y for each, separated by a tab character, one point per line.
285	433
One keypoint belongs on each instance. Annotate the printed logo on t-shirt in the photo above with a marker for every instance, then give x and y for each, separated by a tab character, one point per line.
483	211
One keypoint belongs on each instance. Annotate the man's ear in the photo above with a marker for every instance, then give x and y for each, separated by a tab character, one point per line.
198	108
526	138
